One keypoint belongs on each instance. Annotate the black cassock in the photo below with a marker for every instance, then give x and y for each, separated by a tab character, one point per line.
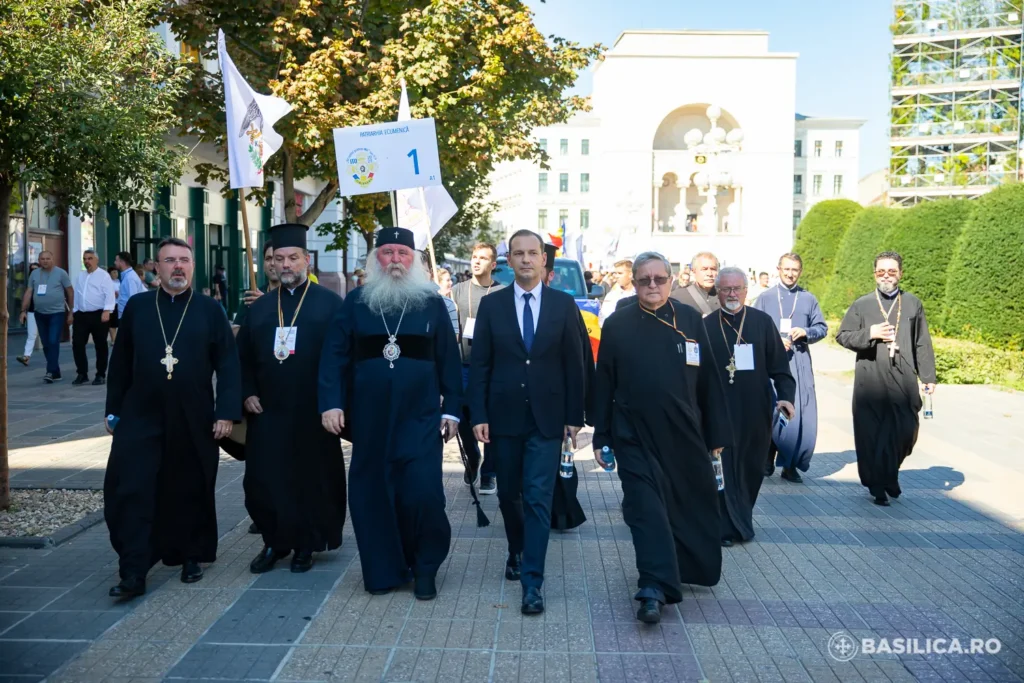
566	511
158	492
294	468
751	407
886	397
662	416
393	418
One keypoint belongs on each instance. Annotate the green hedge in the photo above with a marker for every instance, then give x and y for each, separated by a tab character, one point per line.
853	275
926	236
817	240
985	287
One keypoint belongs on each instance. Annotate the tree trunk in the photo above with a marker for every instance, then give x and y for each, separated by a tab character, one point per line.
6	190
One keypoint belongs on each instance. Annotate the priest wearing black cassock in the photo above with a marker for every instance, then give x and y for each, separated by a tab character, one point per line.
294	469
660	405
390	375
750	356
889	332
158	493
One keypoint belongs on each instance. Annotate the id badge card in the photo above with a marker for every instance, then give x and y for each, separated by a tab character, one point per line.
467	329
692	353
41	290
284	339
785	325
744	355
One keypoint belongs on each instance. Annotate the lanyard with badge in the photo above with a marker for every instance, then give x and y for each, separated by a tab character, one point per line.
786	324
692	347
41	287
742	354
284	337
467	329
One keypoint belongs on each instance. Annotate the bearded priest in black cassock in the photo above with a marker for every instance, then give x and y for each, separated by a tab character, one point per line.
889	332
391	377
158	492
294	468
750	356
660	405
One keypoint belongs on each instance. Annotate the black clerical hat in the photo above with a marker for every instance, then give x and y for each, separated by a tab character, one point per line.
289	235
550	250
401	236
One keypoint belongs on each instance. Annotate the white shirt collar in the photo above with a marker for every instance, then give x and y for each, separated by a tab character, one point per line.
535	291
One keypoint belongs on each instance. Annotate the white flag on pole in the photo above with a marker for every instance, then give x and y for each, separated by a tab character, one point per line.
250	120
424	210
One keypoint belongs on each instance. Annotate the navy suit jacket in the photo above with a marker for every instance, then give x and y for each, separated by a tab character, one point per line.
507	384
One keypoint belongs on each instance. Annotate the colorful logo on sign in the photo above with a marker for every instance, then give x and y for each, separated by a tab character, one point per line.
591	311
362	166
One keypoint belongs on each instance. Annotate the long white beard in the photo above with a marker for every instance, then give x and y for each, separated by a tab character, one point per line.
387	294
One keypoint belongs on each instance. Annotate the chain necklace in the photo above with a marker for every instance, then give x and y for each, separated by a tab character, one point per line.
731	367
169	361
281	352
392	350
898	305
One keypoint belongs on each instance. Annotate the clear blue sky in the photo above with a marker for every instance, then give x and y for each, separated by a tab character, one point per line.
844	47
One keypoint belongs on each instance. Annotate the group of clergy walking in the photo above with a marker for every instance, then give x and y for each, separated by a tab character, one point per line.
697	395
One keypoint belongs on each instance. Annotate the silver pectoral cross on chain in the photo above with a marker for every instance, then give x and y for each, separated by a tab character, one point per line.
169	361
893	348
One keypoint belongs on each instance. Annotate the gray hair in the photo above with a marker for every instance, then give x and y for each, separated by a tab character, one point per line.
702	255
730	270
89	251
648	256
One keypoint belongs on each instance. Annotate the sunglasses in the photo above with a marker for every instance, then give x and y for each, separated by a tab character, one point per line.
646	281
890	273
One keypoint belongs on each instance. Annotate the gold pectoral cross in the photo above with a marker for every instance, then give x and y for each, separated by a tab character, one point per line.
731	367
169	361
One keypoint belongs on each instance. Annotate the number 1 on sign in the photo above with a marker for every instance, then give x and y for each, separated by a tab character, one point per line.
415	161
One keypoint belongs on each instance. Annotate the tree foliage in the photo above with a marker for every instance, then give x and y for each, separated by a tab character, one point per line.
817	240
854	261
985	286
481	69
926	236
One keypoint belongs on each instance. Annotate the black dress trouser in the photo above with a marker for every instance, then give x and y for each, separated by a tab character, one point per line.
90	323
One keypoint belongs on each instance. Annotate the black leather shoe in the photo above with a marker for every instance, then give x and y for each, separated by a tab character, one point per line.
881	500
266	560
513	567
790	474
191	572
382	591
650	611
131	587
894	492
533	602
726	542
99	381
80	380
425	588
302	561
253	529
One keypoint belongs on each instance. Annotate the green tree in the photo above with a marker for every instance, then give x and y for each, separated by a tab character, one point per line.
855	258
87	95
925	236
481	69
817	240
985	286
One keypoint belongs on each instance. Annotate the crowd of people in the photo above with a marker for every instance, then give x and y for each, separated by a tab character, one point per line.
699	392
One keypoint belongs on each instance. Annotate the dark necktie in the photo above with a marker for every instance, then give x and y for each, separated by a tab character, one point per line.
527	321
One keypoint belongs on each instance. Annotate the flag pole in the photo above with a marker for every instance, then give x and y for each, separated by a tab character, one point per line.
430	239
253	284
393	195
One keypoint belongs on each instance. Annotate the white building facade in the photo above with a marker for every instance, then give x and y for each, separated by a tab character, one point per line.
689	147
826	165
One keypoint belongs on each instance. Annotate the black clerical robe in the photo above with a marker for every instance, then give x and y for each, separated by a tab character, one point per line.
294	469
886	397
696	298
393	418
158	492
566	511
662	415
751	407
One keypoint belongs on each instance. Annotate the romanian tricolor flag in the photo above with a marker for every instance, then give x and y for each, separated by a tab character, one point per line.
591	311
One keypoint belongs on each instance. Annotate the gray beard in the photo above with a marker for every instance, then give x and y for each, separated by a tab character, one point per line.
888	288
388	295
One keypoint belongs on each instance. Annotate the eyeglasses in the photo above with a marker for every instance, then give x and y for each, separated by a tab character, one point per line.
731	290
171	261
890	273
646	281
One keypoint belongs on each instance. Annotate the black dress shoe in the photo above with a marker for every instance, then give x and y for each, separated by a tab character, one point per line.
131	587
191	572
726	542
881	500
894	492
99	381
302	561
790	474
381	591
769	469
80	380
266	560
533	602
253	529
650	611
425	588
513	567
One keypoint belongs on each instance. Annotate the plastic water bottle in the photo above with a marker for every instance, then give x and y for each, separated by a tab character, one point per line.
565	468
928	414
608	456
716	463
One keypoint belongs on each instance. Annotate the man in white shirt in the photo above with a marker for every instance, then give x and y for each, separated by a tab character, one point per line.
93	306
623	288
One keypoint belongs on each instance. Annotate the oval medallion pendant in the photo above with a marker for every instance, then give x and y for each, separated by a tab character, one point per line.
281	353
391	352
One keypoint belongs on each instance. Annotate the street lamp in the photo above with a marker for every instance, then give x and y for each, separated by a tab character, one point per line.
711	150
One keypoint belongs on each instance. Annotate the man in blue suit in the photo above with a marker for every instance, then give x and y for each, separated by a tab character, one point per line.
526	393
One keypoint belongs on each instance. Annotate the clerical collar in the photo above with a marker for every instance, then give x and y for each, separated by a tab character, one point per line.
173	297
788	288
665	311
706	294
291	290
891	295
739	310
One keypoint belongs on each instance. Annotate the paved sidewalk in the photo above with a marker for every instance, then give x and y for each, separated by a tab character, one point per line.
945	561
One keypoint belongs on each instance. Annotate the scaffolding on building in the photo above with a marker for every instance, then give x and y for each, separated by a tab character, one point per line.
955	117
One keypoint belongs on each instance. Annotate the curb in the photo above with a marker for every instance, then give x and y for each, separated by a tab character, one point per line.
55	539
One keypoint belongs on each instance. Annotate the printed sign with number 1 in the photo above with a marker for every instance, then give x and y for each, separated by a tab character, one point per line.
387	156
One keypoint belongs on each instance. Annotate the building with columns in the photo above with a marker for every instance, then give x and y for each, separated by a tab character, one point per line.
690	146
